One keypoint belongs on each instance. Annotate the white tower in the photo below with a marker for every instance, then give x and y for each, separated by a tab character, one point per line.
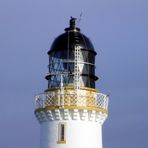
71	111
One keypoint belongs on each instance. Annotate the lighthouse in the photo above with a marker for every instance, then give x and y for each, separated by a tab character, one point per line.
71	111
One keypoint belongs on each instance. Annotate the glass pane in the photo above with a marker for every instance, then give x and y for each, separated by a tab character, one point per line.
62	132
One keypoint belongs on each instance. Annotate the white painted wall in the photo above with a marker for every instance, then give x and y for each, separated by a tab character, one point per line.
79	134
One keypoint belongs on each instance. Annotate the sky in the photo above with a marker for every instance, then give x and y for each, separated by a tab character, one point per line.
118	30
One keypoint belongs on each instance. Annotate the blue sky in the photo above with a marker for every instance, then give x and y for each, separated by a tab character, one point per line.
119	32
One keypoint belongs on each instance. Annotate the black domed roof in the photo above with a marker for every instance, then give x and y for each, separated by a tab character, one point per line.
70	38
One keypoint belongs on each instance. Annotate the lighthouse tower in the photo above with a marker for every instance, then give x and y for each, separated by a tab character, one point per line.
71	111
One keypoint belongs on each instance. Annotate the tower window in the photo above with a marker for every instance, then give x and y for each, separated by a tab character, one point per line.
61	133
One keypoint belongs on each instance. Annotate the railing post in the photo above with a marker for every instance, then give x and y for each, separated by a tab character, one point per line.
43	99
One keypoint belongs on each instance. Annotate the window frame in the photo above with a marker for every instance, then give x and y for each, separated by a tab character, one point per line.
61	133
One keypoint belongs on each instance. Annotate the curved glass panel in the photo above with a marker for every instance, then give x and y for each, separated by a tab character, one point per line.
61	69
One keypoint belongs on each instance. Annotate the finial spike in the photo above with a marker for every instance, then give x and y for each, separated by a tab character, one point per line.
72	22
